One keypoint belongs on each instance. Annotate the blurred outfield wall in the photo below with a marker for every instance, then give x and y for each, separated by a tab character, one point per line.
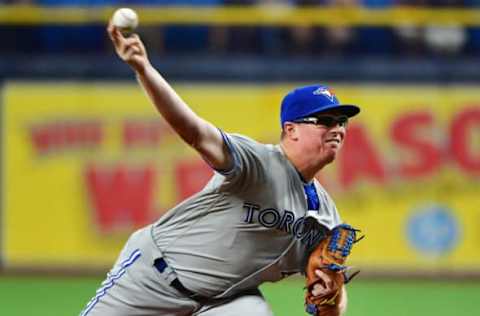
84	164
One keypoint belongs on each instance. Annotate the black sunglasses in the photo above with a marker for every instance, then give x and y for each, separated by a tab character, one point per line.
325	120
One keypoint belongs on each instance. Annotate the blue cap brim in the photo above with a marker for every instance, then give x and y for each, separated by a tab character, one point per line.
346	109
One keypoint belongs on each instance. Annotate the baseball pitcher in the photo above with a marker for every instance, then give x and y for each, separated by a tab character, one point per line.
261	217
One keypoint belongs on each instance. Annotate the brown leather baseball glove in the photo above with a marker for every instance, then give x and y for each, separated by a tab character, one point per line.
326	273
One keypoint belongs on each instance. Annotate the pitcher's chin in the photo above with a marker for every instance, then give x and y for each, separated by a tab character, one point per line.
330	156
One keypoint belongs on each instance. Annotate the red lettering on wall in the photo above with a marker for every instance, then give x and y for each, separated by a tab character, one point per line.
191	177
461	131
147	133
121	197
62	135
406	132
359	159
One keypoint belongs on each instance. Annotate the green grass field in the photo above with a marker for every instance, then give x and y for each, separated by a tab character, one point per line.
26	296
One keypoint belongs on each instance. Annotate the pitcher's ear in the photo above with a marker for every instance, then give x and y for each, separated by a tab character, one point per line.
290	130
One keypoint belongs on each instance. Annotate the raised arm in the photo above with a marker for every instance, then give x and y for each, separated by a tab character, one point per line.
195	131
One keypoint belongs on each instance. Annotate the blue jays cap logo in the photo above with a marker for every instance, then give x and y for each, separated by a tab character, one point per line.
325	92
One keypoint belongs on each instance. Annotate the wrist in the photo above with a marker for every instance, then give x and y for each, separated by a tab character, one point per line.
142	69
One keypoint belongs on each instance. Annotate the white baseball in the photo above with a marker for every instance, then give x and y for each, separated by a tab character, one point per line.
125	19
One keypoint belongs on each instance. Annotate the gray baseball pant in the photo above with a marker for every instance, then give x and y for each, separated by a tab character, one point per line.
134	287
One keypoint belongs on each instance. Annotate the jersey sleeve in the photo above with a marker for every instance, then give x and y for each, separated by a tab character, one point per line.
249	159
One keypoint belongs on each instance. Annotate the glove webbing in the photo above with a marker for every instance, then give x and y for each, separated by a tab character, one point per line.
341	241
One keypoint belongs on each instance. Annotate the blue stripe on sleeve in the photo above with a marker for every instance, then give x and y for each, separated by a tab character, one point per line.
233	152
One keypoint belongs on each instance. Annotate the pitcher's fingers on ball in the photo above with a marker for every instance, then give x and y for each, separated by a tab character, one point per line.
127	44
111	29
115	35
131	51
131	41
139	41
135	37
110	26
138	48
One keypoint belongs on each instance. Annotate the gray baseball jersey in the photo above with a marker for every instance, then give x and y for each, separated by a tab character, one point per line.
247	226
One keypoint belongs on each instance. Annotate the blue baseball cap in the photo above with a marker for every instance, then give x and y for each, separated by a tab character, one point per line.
306	101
